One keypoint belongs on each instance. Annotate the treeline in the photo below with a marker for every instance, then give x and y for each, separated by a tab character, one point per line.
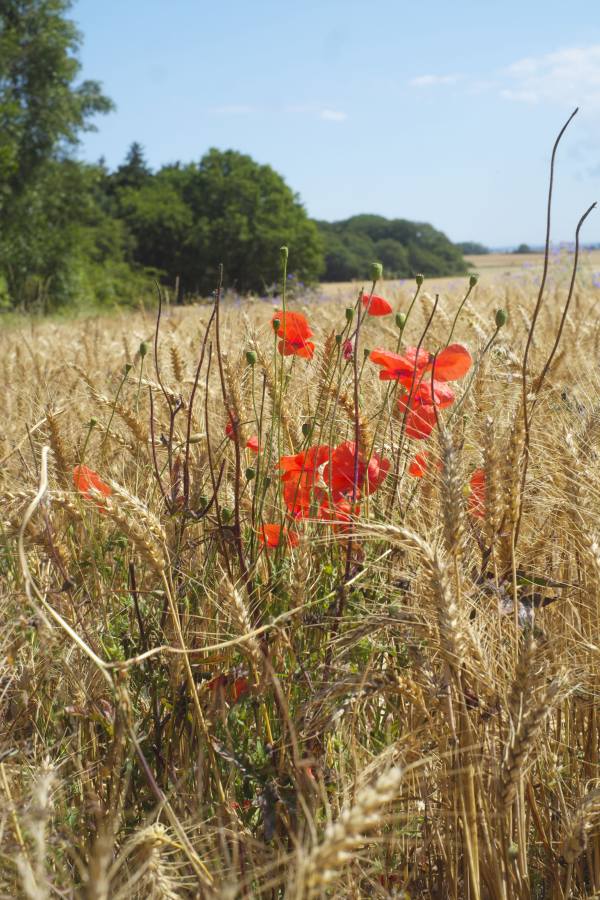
76	233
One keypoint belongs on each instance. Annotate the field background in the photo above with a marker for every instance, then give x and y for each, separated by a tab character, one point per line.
403	705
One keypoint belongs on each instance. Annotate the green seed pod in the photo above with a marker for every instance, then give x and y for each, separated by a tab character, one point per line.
501	318
349	314
306	429
93	422
366	353
376	271
127	368
276	324
143	349
266	482
400	320
250	473
338	338
226	514
473	279
419	279
203	500
251	357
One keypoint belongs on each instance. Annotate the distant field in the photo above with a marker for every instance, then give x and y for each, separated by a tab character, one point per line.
491	267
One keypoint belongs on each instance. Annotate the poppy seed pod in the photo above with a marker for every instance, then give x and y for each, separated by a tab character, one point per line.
226	514
143	349
276	324
419	279
349	314
501	318
251	357
338	338
376	271
250	473
400	320
306	429
93	422
473	280
127	368
366	353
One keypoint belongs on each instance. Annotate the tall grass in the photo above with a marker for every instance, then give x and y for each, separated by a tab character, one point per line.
403	701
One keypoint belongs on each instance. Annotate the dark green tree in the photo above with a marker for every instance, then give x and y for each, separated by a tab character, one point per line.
42	112
225	209
403	247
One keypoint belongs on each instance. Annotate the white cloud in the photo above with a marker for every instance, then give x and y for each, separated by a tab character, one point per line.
567	76
333	115
433	80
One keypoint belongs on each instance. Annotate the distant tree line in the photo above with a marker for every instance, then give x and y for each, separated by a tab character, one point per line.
73	232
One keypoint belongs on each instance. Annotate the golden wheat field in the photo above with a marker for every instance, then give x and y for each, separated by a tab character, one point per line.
261	638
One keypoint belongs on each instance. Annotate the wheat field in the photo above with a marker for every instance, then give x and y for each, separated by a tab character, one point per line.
210	691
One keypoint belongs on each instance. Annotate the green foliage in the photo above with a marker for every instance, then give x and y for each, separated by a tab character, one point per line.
472	248
523	248
45	218
404	247
228	209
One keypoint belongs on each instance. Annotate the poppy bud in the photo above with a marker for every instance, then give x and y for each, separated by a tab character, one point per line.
251	357
501	318
250	473
226	514
376	271
419	279
366	353
349	314
306	429
127	368
473	280
400	320
276	324
338	338
143	349
266	482
93	422
284	253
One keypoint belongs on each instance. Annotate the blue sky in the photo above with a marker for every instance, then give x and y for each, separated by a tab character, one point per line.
431	110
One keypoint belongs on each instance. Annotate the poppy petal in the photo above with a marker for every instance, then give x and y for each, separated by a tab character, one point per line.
376	306
452	363
421	422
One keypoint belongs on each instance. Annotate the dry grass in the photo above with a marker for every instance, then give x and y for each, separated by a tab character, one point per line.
408	707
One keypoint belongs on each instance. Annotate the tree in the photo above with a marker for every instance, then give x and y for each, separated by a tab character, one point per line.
405	248
225	209
472	248
133	173
42	112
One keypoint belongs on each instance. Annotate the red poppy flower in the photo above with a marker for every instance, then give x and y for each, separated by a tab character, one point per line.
413	365
339	512
89	483
274	535
423	463
239	687
376	306
339	474
418	465
347	350
421	404
294	331
251	443
299	475
477	495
